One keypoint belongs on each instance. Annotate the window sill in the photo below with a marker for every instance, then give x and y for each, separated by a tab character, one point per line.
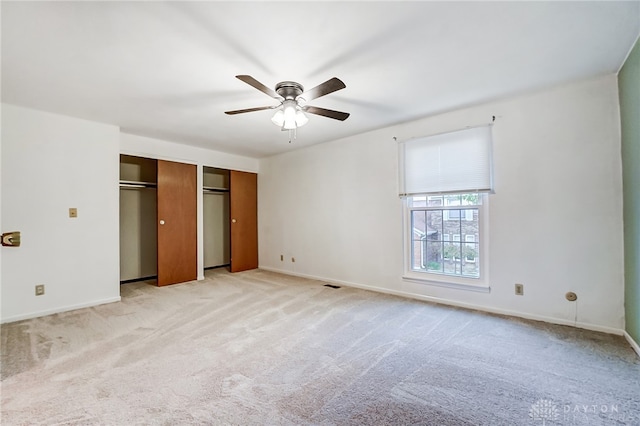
480	288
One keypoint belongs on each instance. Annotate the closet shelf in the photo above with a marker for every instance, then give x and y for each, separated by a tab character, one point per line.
133	184
214	189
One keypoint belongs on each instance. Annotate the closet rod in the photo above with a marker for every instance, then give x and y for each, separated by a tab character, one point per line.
213	189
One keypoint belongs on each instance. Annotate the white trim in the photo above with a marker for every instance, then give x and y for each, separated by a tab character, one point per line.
59	310
461	286
463	282
534	317
633	343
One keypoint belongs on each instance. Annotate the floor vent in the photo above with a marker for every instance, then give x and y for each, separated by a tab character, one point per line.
332	286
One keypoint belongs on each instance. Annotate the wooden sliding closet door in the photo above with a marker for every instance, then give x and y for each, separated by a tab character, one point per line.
177	226
243	208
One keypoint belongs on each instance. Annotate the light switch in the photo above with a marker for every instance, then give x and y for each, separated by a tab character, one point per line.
73	212
11	239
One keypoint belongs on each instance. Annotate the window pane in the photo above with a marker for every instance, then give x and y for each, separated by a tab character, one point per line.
433	260
470	199
418	201
471	261
451	250
434	225
454	214
452	200
470	252
418	225
435	200
417	255
452	265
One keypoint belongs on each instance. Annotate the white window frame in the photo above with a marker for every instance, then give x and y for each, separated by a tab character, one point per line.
481	283
423	239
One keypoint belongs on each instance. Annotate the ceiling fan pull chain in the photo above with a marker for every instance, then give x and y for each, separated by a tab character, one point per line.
294	133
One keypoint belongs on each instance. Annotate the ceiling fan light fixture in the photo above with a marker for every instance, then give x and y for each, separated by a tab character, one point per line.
289	107
290	116
301	118
278	118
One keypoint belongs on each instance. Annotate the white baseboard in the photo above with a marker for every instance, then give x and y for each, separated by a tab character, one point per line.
632	342
535	317
59	310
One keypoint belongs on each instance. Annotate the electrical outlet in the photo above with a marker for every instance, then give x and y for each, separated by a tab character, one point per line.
293	259
282	258
519	289
73	212
39	289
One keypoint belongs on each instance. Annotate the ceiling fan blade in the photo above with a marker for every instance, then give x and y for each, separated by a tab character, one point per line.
336	115
261	87
241	111
325	88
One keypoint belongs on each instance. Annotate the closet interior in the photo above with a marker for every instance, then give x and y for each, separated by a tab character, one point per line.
138	217
216	220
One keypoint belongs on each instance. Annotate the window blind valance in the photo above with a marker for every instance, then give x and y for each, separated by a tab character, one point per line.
458	161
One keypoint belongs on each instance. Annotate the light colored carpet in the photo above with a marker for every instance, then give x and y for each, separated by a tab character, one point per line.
262	348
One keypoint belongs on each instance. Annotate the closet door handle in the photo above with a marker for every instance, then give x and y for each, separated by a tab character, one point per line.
162	222
233	221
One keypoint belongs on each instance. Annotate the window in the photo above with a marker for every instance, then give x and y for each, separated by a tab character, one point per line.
442	243
444	180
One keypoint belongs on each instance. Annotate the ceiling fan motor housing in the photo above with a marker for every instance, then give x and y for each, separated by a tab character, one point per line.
289	89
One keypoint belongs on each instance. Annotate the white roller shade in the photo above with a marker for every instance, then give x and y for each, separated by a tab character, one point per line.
459	161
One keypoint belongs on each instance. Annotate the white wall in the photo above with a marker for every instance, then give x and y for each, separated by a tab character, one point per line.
555	219
171	151
49	164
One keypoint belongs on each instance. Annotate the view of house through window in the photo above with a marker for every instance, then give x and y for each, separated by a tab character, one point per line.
445	234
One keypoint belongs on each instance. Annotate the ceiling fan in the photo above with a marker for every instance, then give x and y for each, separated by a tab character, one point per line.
292	97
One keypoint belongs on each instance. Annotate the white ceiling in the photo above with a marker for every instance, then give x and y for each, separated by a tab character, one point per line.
167	69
